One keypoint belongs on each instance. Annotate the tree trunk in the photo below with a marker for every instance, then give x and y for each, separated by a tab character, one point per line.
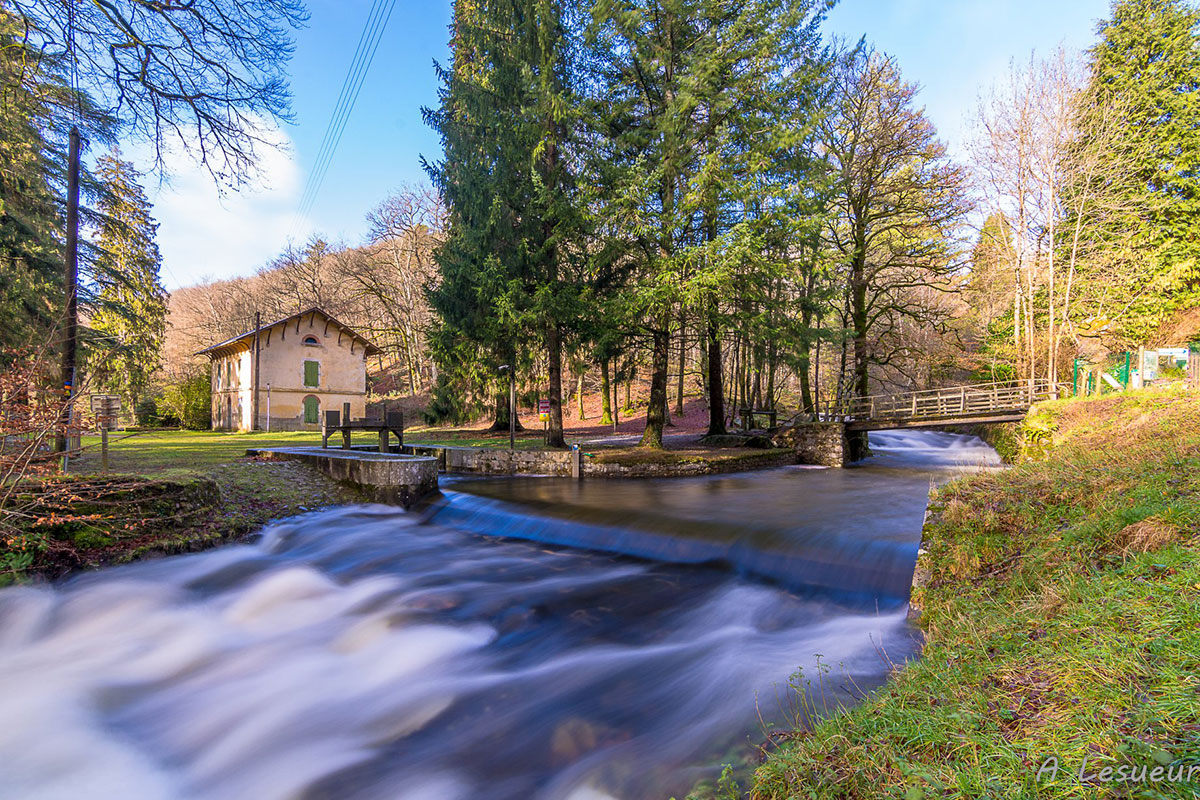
682	365
501	420
771	370
606	404
579	395
616	419
858	318
554	437
803	363
656	411
862	363
716	388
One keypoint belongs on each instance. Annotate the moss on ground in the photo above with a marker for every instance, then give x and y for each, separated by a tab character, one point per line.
60	525
1062	619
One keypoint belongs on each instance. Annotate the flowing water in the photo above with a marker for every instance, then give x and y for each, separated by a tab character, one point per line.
622	640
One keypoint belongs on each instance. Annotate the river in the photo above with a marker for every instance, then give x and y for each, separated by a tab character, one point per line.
516	639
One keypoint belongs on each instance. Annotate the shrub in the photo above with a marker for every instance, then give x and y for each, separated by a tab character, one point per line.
146	412
189	401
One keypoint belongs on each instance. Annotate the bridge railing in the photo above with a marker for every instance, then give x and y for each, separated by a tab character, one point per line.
956	401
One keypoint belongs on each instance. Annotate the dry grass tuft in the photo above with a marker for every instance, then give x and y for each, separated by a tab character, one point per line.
1152	533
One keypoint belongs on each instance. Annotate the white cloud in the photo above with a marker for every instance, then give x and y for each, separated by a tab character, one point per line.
206	234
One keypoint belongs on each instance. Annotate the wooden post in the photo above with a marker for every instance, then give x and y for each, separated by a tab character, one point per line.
394	420
104	445
384	439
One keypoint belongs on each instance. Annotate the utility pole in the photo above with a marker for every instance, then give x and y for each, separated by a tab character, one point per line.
71	322
254	425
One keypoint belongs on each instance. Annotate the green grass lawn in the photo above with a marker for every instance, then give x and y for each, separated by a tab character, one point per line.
160	453
166	453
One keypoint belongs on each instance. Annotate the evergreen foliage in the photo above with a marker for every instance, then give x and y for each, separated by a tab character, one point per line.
36	109
509	262
1147	64
131	311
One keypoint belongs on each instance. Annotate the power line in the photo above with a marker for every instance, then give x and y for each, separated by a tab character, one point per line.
322	169
368	44
343	96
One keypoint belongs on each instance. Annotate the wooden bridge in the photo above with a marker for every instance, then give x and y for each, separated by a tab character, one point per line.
989	402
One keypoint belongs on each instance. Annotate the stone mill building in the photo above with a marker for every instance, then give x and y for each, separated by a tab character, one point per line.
283	375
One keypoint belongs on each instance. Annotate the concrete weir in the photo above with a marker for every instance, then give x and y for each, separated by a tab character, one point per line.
385	478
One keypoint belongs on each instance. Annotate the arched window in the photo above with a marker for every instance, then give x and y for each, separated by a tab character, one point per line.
312	410
312	341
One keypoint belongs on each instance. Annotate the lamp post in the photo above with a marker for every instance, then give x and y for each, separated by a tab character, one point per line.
268	408
512	406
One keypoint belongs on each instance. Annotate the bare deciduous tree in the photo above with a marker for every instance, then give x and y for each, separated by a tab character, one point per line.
209	76
898	205
1055	192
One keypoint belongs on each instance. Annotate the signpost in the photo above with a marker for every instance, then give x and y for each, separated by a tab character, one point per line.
544	414
106	407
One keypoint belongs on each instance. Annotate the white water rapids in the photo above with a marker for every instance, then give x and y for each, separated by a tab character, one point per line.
369	653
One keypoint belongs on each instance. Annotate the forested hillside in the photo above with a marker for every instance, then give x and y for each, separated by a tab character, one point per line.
377	288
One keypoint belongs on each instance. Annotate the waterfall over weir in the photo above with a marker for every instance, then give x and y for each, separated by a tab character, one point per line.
521	639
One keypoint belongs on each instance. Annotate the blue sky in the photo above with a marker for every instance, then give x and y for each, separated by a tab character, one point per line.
953	49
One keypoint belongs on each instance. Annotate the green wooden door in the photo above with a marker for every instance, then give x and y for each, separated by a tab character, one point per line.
312	410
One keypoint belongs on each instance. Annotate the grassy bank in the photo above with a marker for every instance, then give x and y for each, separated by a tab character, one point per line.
166	492
1062	620
74	522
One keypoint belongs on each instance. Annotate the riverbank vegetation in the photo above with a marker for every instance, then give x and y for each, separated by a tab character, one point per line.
68	523
1061	611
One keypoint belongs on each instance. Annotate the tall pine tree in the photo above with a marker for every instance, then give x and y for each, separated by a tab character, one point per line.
506	119
131	308
1147	64
479	251
699	98
36	109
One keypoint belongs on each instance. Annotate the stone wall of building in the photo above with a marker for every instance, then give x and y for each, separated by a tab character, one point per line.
284	347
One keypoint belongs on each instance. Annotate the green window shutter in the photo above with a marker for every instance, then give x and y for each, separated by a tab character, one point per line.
311	373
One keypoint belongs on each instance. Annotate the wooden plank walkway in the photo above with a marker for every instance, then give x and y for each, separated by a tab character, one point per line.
989	402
